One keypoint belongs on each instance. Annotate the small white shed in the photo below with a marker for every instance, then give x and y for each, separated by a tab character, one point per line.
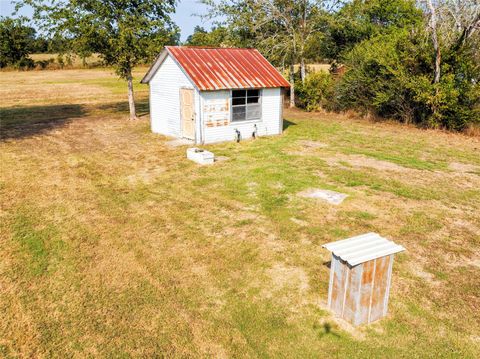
213	94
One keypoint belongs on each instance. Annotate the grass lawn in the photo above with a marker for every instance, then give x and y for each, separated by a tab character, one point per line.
112	244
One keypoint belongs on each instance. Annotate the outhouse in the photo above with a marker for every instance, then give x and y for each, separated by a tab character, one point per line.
214	94
360	277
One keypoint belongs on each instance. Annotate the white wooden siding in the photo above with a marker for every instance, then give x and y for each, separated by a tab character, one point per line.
215	107
165	98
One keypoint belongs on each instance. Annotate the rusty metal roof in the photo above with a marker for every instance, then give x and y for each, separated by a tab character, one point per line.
222	68
363	248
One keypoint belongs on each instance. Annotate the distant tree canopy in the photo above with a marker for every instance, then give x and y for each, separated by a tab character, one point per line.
360	20
216	37
17	40
124	33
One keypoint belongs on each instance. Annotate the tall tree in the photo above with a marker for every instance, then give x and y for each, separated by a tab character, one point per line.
281	29
360	20
452	25
123	32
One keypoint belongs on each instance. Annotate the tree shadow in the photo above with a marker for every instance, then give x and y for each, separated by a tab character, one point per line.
142	107
287	124
19	122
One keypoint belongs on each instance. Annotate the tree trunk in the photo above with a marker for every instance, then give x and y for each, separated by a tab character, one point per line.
436	45
302	69
131	99
292	84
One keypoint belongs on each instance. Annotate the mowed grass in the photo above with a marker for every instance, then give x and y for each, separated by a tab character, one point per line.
114	245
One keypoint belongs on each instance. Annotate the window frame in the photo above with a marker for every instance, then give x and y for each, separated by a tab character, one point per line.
260	95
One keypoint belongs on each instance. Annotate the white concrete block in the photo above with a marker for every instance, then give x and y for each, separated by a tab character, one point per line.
200	156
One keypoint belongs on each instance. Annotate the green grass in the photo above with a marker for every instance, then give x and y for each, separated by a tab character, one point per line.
114	245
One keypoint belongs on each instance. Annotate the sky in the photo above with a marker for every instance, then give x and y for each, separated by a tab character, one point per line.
184	16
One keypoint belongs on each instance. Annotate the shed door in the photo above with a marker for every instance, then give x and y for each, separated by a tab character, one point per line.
187	111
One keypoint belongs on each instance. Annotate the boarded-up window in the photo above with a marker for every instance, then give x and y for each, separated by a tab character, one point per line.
246	105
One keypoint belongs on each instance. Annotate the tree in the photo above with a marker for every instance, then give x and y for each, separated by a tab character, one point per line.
16	40
281	29
217	37
360	20
123	32
452	25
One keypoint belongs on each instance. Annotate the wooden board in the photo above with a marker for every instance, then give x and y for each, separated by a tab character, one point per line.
187	110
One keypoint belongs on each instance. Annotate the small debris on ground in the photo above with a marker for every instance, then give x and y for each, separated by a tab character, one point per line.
324	194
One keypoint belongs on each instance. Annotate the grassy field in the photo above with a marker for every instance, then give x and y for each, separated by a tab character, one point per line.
76	60
112	244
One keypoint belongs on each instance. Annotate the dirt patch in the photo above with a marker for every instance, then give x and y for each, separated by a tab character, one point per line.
418	271
283	276
146	175
308	144
463	167
324	194
221	158
306	147
364	161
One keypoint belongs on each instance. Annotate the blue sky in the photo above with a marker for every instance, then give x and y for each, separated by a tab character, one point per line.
183	17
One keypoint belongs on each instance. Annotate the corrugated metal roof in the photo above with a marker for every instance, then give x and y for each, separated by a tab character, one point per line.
223	68
363	248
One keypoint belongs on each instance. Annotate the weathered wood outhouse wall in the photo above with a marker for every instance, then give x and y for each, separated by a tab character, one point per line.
360	277
359	294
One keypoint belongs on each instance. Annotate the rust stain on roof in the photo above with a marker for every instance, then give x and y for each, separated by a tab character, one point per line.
226	68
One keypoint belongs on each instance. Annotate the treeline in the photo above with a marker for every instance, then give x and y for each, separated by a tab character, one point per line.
413	61
18	40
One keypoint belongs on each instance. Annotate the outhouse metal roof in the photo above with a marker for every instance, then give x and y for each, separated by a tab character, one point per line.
363	248
222	68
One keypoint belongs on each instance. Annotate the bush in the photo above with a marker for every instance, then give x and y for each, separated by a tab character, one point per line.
25	63
316	92
44	64
391	76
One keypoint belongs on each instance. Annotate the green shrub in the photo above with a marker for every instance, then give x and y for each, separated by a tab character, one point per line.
316	92
391	76
44	64
25	63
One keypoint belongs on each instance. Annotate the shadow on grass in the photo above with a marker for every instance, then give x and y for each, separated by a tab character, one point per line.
327	330
20	122
287	124
141	106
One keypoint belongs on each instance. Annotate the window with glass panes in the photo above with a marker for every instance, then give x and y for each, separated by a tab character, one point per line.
246	105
